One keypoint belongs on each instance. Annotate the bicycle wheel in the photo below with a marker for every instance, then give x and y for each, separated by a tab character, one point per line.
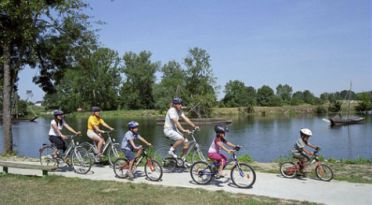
153	170
201	172
169	164
47	157
324	172
81	161
197	155
114	153
288	169
120	167
243	175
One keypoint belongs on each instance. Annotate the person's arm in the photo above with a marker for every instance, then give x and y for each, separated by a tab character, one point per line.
220	144
71	129
144	141
188	121
133	145
56	130
312	146
230	144
178	125
107	126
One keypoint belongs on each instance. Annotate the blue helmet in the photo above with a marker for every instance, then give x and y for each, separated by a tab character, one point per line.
221	129
132	124
96	109
177	100
57	112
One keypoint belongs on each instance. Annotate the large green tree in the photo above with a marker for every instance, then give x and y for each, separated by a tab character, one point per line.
237	94
173	83
139	71
95	81
46	34
265	95
285	92
200	83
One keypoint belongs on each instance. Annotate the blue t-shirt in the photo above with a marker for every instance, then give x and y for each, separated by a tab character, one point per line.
128	136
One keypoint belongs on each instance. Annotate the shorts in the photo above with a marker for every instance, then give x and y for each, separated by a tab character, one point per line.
92	135
129	154
221	158
173	135
300	156
58	142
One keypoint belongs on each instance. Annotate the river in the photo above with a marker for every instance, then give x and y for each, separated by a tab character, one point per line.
264	138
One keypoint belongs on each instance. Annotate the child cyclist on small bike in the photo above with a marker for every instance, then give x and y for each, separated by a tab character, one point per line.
128	146
299	152
217	144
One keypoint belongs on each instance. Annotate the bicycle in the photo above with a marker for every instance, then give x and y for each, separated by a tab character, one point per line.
153	170
75	156
242	175
322	171
170	164
110	144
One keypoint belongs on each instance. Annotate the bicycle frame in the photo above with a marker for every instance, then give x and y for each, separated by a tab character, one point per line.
109	141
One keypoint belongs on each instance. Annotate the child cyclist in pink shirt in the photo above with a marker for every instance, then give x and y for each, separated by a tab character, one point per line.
214	149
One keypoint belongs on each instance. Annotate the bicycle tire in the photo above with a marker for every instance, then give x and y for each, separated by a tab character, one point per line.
46	156
81	161
241	173
201	172
288	169
114	153
120	167
169	164
153	170
327	174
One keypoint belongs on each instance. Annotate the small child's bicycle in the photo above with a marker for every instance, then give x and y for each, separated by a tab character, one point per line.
153	170
242	175
322	171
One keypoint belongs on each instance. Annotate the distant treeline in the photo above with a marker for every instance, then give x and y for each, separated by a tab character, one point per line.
105	79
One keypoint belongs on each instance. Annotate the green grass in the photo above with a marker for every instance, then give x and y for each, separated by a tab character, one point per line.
17	189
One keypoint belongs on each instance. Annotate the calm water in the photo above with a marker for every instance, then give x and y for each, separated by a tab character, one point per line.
265	138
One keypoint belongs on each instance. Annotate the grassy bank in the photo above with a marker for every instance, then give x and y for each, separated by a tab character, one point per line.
60	190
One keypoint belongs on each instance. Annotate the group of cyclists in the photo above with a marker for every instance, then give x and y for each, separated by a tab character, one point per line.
172	130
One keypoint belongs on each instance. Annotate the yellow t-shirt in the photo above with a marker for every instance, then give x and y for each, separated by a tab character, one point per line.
94	120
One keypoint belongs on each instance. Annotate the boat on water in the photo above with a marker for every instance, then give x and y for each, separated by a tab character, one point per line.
346	120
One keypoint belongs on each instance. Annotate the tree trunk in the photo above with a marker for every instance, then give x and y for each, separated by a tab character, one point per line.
7	118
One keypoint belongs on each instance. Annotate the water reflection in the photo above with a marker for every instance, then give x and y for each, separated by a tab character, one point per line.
265	138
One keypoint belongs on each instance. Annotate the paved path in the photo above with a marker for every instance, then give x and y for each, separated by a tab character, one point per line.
271	185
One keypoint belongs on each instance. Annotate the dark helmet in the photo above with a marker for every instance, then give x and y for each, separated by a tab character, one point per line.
96	109
132	124
220	129
177	100
57	112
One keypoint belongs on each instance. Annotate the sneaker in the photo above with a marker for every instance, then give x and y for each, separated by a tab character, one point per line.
219	176
171	153
130	175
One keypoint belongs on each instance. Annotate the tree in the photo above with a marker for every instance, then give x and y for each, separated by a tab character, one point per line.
100	74
200	83
173	83
365	102
41	33
264	95
285	92
237	94
309	97
297	98
136	92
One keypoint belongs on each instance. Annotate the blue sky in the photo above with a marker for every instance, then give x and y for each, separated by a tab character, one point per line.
319	45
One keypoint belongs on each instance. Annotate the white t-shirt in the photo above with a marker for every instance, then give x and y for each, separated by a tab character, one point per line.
172	114
51	131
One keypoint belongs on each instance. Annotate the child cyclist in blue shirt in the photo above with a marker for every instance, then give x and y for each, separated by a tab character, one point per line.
128	146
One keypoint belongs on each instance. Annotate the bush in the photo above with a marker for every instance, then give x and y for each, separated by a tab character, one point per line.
320	110
334	107
245	158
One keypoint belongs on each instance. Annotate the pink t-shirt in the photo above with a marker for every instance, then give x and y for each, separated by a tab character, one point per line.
214	148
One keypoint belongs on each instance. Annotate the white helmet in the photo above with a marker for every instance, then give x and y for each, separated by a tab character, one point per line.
306	131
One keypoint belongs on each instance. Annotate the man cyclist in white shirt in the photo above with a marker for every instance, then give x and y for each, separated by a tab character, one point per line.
173	129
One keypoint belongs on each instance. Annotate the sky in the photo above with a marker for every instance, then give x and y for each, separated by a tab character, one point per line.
316	45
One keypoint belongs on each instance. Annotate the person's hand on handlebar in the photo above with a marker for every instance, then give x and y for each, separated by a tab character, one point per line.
187	131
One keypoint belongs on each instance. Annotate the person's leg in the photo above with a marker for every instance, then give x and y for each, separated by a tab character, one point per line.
130	156
217	157
177	137
97	139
